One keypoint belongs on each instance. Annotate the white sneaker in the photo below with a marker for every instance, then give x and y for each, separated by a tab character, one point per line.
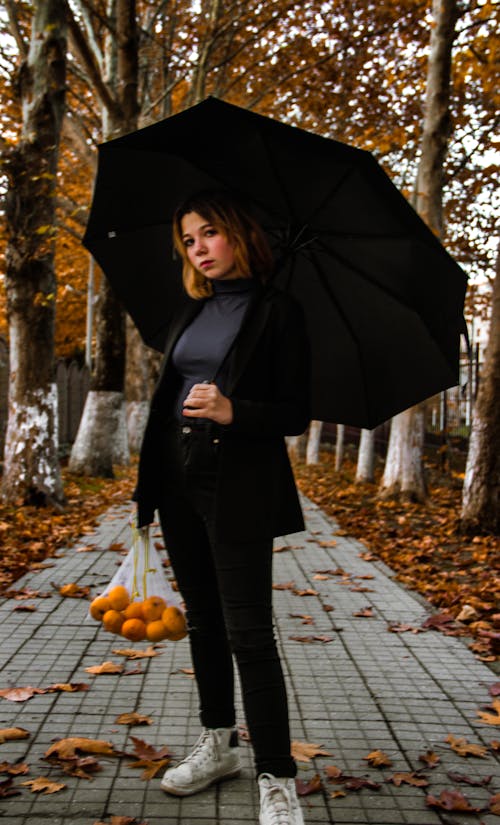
214	757
279	804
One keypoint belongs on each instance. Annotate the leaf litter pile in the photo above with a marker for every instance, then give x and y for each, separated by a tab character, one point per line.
422	543
30	535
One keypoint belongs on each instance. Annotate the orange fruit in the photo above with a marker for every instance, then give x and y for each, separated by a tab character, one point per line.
174	620
153	608
134	611
118	597
156	631
134	629
99	607
113	620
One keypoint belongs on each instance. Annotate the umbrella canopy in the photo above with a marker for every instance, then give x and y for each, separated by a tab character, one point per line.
382	297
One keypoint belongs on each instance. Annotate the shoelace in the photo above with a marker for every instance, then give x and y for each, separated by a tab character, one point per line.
277	805
200	748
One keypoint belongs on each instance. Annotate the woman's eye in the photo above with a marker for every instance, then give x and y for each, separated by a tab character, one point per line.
211	232
188	242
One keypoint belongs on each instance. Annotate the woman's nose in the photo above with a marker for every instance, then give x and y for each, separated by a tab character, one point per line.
200	246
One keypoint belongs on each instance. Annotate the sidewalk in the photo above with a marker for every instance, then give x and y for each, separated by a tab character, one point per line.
367	689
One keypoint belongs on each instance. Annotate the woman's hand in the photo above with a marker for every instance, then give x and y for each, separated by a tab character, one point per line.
207	401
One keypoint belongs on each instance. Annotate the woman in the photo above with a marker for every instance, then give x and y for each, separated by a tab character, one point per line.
234	381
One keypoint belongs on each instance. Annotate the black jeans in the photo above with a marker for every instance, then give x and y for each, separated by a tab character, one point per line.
227	589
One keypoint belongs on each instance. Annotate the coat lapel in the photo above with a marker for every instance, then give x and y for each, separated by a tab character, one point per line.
248	336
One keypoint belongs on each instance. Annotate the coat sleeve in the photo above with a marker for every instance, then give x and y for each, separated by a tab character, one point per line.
287	412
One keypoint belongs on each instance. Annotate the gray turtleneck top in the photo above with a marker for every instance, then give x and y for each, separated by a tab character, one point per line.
202	347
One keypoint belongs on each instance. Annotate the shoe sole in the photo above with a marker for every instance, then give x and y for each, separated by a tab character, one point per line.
172	789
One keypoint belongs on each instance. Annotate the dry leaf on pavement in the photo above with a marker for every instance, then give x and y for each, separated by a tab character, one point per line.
133	719
412	778
305	751
42	784
9	734
378	759
458	777
451	800
81	766
313	785
14	768
130	653
6	788
106	667
491	718
430	759
494	803
460	745
67	748
72	590
121	820
21	694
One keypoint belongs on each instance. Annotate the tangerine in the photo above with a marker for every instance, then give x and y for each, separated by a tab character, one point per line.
134	611
119	597
156	631
134	629
98	607
113	620
153	608
174	620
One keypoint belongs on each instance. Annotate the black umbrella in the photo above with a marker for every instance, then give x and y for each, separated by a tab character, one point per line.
382	297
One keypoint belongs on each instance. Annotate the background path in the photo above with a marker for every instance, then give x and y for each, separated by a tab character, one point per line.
366	689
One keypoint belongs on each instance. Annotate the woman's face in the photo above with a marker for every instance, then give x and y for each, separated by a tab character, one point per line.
208	250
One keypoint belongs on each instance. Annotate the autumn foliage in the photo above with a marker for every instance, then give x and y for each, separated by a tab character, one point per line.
422	542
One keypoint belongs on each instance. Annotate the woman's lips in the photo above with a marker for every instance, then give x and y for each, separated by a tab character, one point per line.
205	264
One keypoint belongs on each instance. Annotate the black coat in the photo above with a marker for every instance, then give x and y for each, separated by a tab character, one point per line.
268	377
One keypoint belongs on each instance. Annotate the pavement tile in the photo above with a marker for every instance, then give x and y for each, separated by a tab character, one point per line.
366	689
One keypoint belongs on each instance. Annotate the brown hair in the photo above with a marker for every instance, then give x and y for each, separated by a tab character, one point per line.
252	253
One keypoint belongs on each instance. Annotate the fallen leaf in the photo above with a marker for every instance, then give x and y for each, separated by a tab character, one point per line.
337	794
378	759
6	788
437	621
25	608
328	608
43	784
305	618
130	653
334	774
15	768
9	734
133	672
106	667
491	718
364	613
464	748
307	592
72	590
282	549
495	745
305	751
408	779
458	777
430	758
151	767
494	689
81	766
331	543
186	671
121	820
395	627
21	694
357	783
321	577
68	687
284	586
451	800
116	546
133	719
143	750
494	804
314	785
311	639
67	748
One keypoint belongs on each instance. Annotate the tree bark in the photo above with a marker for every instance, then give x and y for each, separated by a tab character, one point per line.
339	447
313	442
404	472
102	436
31	466
297	446
365	470
481	493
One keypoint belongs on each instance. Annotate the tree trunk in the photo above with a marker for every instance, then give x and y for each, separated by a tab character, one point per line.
141	372
365	470
403	473
407	443
481	494
339	447
297	446
102	435
313	442
31	467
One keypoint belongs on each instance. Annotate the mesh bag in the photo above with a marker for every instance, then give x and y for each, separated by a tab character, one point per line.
139	602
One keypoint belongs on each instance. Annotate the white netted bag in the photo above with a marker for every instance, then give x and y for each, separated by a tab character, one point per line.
140	592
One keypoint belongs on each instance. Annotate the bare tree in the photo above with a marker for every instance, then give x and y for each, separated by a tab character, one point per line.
31	466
